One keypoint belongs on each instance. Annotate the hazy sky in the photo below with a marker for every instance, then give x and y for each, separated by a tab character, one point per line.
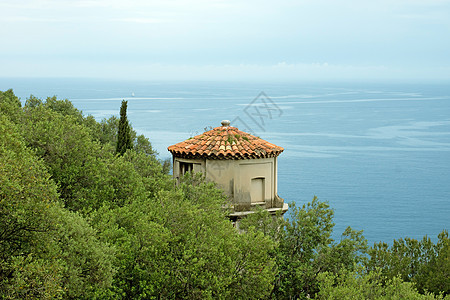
226	40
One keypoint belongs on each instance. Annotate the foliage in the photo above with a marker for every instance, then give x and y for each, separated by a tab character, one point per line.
64	107
263	221
305	249
303	238
123	136
26	198
76	162
8	98
45	251
10	105
152	174
372	285
174	247
88	268
143	145
86	171
26	194
107	133
33	102
79	221
423	263
32	278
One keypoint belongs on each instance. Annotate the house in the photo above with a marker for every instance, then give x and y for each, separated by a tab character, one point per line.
243	165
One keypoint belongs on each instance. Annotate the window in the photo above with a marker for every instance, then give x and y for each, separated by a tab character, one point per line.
186	167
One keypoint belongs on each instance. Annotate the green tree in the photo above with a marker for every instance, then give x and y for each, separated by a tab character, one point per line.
215	260
127	184
10	105
124	141
64	107
109	130
77	163
33	102
107	133
303	239
423	263
9	98
26	194
45	251
143	145
179	245
362	285
304	248
87	261
435	275
150	171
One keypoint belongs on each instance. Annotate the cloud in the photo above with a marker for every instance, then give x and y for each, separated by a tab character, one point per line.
228	39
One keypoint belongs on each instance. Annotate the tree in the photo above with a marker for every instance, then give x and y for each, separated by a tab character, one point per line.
304	237
26	195
423	263
64	107
143	145
124	135
150	171
367	285
435	276
33	102
108	131
9	98
305	248
46	251
77	163
179	245
10	105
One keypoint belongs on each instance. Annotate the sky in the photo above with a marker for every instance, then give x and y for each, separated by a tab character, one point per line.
226	39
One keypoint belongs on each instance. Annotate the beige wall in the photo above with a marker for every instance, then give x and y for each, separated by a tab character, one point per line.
242	180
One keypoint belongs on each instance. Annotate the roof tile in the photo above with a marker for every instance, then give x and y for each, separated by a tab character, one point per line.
225	142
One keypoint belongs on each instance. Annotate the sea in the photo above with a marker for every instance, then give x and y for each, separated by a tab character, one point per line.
378	153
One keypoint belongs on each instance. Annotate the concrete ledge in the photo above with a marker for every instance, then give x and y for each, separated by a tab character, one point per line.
273	211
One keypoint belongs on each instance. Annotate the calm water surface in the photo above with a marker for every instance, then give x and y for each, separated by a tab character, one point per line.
378	153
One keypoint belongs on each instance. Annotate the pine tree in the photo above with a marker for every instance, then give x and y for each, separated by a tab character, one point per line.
124	135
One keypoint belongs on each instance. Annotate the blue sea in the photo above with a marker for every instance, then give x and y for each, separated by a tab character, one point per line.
379	153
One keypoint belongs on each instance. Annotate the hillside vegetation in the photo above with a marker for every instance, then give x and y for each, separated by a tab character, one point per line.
79	221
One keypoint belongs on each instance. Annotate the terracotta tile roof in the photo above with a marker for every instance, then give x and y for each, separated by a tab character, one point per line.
225	142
